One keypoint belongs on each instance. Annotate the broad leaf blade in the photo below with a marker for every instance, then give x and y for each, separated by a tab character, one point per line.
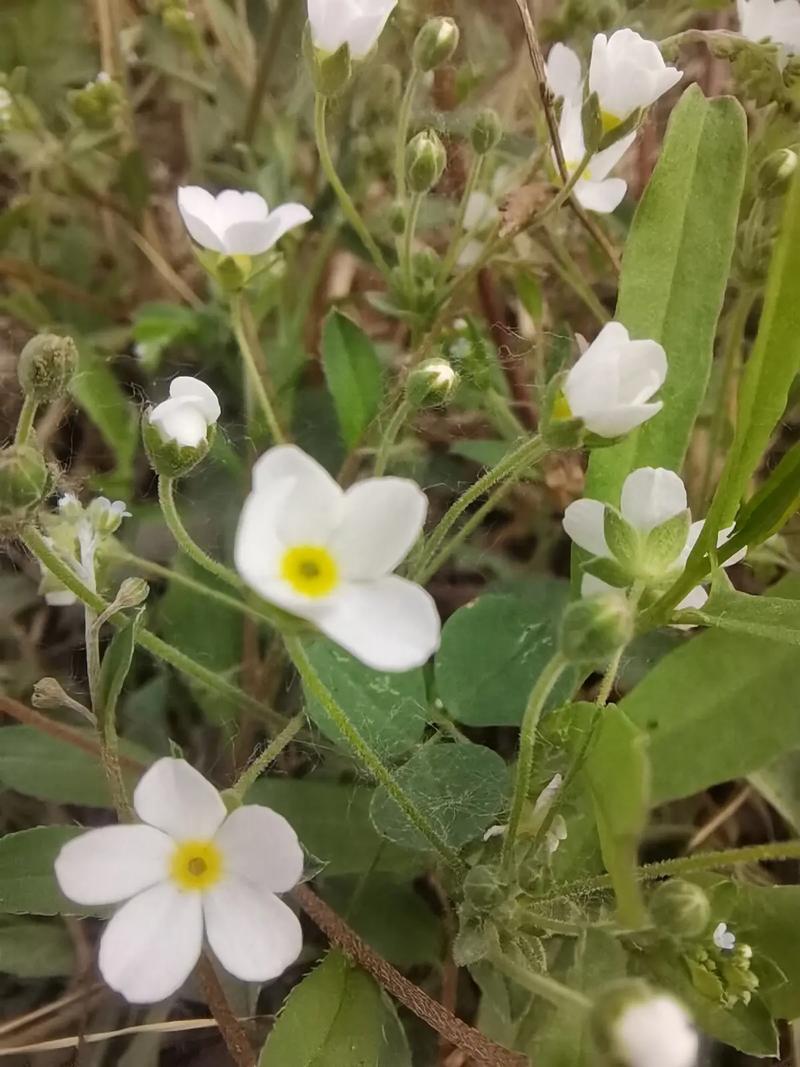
27	879
353	373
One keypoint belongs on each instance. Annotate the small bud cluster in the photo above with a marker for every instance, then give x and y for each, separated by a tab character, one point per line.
99	103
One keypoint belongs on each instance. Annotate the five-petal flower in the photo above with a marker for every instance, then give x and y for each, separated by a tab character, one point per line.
186	417
187	869
356	23
236	223
328	555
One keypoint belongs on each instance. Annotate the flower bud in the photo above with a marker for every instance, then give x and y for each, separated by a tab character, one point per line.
432	383
596	627
167	457
435	44
330	71
680	908
24	482
397	218
776	172
46	366
426	159
49	695
486	131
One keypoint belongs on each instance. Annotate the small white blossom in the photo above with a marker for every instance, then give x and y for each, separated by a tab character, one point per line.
356	23
610	386
545	799
186	417
627	73
724	938
236	223
656	1032
188	870
327	555
104	516
774	20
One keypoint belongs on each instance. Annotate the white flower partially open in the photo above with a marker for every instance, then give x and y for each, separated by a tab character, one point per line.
188	868
357	23
627	73
656	1032
594	189
236	223
186	417
328	556
774	20
610	385
724	938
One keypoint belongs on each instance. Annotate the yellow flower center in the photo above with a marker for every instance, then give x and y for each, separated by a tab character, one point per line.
561	408
196	865
310	570
609	121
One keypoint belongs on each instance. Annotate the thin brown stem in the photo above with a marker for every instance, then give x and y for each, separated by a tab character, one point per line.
235	1038
479	1047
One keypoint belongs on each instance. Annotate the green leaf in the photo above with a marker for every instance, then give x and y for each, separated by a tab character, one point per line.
27	880
461	787
353	373
779	783
770	370
775	618
622	539
495	648
96	390
703	706
116	664
30	948
773	505
332	820
337	1015
618	772
675	270
38	765
768	919
388	710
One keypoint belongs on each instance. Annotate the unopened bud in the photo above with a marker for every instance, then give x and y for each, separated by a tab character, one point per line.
46	366
435	44
426	159
776	172
596	627
25	481
680	908
98	103
49	695
486	131
432	383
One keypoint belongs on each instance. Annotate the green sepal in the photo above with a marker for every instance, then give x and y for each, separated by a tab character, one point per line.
623	540
609	571
664	543
168	458
330	71
631	123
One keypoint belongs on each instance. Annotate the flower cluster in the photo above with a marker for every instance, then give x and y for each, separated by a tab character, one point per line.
76	533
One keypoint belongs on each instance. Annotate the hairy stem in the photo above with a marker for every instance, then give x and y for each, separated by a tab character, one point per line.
25	421
259	764
396	424
541	984
239	321
401	138
184	541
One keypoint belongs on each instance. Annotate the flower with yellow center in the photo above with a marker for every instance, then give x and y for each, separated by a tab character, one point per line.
327	555
187	870
628	73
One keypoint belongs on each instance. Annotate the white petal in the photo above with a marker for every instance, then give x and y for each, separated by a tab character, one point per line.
591	586
177	799
601	197
643	370
564	73
363	33
390	624
584	522
618	421
113	863
612	336
204	398
60	598
329	23
181	420
651	496
722	539
481	210
259	846
314	506
254	238
199	211
258	549
254	935
383	517
234	206
604	162
696	599
151	945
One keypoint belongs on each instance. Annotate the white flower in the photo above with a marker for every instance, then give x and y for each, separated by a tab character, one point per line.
774	20
236	223
189	868
186	417
357	23
627	73
656	1032
610	385
594	190
564	74
328	556
105	517
650	497
724	938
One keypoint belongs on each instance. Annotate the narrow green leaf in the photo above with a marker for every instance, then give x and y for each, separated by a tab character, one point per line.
773	505
618	772
775	618
336	1016
27	880
353	373
675	270
460	787
30	948
116	664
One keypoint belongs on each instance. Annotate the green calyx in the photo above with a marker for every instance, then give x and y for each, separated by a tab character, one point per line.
25	481
46	366
168	458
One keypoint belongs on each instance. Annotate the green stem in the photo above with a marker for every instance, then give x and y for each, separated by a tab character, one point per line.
347	205
501	414
166	498
527	454
25	422
396	424
239	323
257	766
459	236
401	138
408	243
527	746
209	679
541	984
366	755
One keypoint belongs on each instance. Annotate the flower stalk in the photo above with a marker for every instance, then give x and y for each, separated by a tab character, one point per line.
239	317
